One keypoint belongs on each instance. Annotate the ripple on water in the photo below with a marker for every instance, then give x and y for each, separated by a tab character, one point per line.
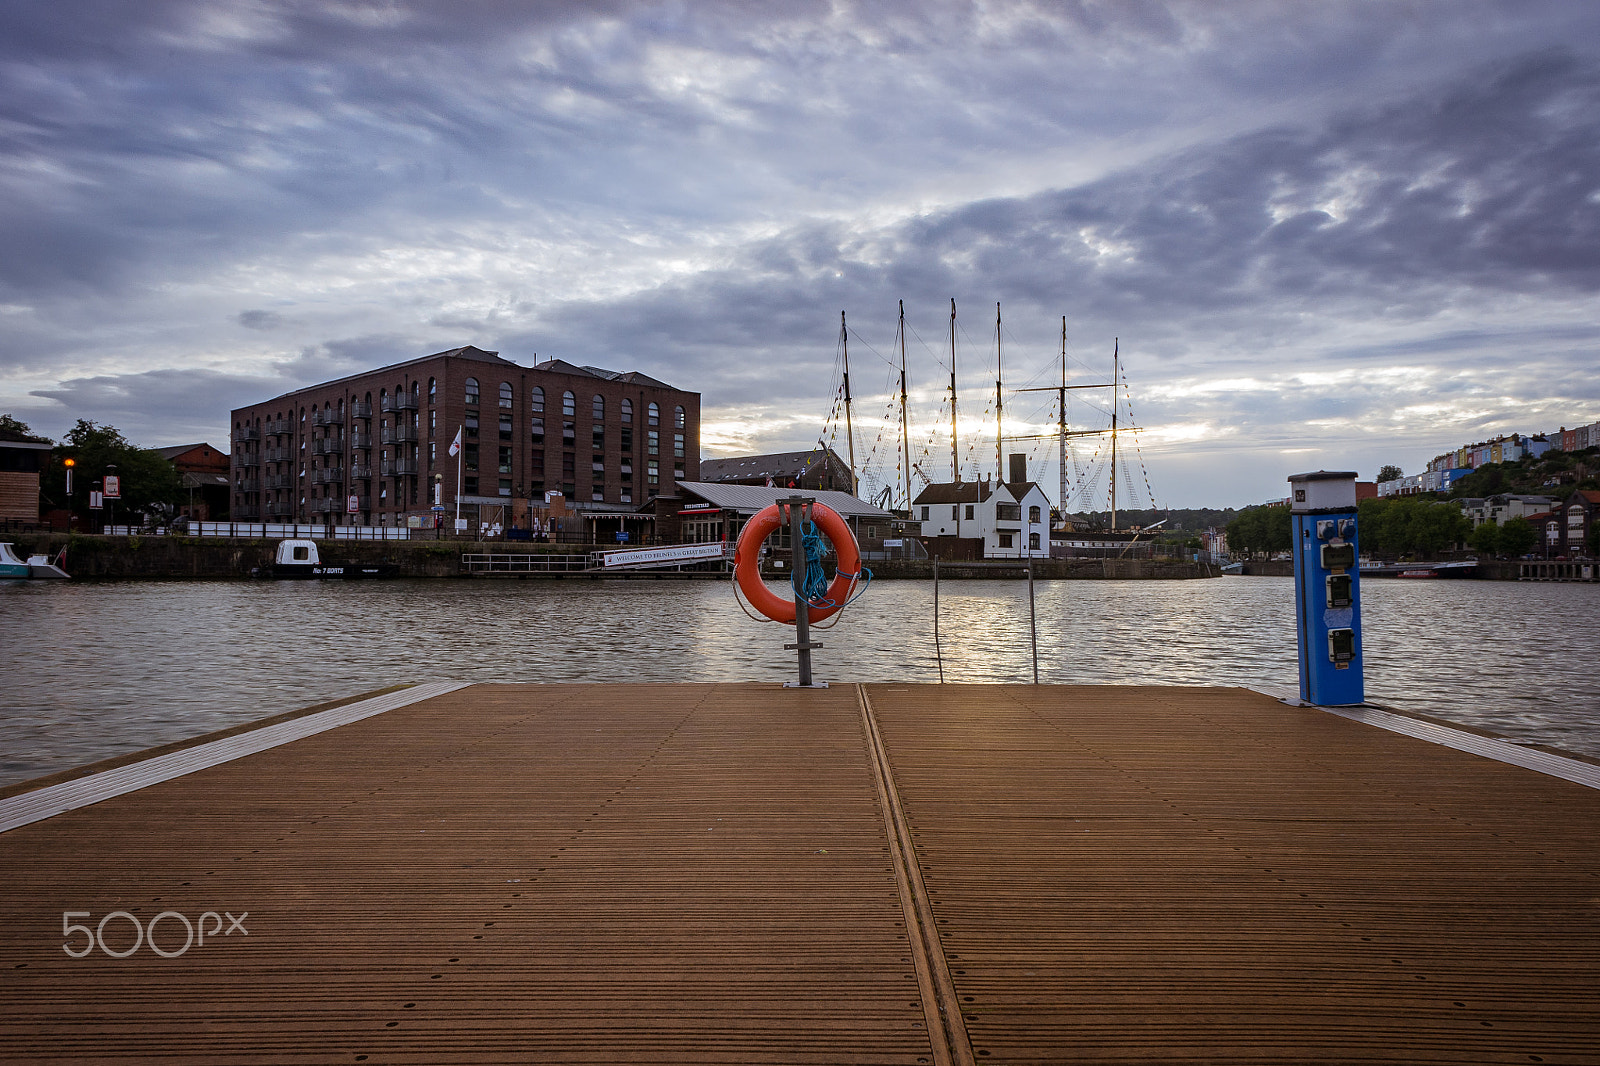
100	669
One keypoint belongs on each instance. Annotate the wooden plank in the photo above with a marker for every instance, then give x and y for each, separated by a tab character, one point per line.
1182	875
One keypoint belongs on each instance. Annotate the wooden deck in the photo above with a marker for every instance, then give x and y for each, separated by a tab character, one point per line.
883	874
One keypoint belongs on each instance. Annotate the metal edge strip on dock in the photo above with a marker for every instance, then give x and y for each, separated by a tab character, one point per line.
57	799
947	1033
1506	751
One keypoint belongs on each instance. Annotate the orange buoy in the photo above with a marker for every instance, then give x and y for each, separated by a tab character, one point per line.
747	564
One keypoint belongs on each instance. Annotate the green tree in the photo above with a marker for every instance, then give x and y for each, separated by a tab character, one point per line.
1390	473
1486	539
1518	537
149	483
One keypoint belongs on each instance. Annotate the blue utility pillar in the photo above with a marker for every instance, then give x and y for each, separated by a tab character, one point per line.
1327	587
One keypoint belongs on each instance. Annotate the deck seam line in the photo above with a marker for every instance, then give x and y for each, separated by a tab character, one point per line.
1544	762
947	1033
47	802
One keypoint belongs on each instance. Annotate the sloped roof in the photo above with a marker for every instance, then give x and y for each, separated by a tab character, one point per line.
752	498
775	465
955	492
178	449
630	377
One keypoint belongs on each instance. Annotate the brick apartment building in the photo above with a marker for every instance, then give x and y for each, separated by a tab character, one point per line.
368	449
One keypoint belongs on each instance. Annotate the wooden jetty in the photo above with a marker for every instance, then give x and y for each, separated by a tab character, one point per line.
865	874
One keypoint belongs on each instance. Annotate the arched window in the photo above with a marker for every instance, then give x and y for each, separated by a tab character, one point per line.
678	418
569	404
433	390
599	408
536	397
505	394
1033	516
472	392
416	389
627	412
653	412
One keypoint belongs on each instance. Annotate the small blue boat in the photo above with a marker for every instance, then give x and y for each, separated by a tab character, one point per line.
36	566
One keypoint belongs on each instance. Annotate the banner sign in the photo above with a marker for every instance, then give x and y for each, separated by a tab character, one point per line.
670	556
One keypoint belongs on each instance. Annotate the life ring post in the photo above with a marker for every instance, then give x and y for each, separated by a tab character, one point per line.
798	509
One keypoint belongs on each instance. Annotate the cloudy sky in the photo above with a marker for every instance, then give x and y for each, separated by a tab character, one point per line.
1325	235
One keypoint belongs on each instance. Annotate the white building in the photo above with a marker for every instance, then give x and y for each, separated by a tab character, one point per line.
995	520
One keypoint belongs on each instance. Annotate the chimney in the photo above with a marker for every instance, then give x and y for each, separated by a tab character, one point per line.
1019	467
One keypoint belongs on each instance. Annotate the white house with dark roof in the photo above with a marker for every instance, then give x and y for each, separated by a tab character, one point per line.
982	519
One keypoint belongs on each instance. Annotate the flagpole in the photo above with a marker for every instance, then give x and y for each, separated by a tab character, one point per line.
459	449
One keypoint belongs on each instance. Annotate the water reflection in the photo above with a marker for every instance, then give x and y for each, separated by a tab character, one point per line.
100	669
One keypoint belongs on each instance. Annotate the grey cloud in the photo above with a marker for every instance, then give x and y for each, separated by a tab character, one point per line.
158	407
262	320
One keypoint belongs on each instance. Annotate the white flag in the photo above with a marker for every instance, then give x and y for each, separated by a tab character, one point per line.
455	445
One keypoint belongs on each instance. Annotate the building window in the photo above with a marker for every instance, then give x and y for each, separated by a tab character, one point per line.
469	485
652	443
569	466
505	427
627	412
1033	516
1008	512
677	445
653	412
652	474
472	392
433	390
569	434
536	400
536	464
505	486
1005	540
953	512
433	453
679	419
538	431
569	404
433	422
627	439
1033	541
471	425
505	394
924	514
469	457
505	459
969	512
599	408
599	437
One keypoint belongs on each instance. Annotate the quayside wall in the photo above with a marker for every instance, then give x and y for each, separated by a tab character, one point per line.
221	558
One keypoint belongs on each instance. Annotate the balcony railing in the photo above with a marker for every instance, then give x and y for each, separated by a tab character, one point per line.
277	455
397	434
246	510
280	509
361	409
279	481
327	446
399	467
361	440
247	433
360	473
248	459
364	503
400	402
325	417
325	506
249	484
276	427
330	475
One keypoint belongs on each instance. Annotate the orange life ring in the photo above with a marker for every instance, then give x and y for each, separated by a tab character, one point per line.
747	563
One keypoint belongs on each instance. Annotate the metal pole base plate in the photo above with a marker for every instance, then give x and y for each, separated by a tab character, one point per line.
796	684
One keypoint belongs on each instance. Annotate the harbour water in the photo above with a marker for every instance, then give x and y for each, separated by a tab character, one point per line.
100	669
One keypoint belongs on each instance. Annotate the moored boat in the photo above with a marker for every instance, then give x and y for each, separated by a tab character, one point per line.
37	566
300	559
